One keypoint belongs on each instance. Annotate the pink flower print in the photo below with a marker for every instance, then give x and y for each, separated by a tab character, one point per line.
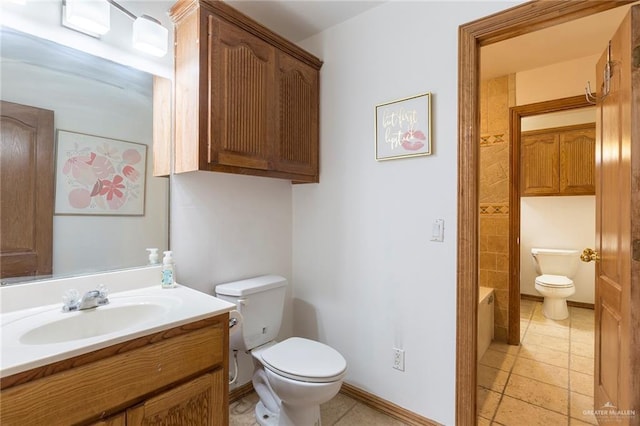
79	198
96	188
116	202
131	156
112	188
92	156
80	170
108	151
130	173
102	167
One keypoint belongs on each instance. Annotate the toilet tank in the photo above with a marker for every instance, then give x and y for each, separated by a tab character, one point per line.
555	261
260	300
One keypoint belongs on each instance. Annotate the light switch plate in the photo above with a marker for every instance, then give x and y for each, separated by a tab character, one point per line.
437	230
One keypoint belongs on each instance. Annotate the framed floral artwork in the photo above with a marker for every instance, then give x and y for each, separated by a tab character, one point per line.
99	176
403	127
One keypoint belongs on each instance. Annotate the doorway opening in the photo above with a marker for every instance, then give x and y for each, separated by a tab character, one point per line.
502	26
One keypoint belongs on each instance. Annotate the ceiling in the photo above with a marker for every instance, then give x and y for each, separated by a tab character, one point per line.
575	39
300	19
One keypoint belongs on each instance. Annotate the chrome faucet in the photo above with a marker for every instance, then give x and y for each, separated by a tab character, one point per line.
91	299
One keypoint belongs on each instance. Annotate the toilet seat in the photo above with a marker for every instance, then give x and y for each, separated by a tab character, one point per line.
554	281
305	360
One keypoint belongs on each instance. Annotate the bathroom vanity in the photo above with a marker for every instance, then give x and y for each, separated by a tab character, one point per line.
169	369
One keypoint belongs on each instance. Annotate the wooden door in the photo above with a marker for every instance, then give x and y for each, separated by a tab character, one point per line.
26	197
617	299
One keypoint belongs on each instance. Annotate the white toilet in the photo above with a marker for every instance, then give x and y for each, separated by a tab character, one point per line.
556	268
293	377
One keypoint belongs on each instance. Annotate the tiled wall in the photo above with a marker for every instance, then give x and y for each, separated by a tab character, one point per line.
496	96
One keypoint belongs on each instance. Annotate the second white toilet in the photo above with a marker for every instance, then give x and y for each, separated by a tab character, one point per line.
555	268
293	377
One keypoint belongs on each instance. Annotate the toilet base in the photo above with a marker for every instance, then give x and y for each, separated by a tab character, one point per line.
295	416
265	417
555	308
288	416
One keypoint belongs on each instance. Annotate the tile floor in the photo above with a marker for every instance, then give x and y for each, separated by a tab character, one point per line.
340	411
547	380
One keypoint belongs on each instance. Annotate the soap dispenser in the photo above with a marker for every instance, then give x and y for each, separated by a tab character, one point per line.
168	278
153	256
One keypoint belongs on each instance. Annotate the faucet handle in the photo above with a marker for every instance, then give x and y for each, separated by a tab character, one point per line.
103	297
104	291
70	299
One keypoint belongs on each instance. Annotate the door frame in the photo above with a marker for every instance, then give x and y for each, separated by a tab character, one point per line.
515	115
522	19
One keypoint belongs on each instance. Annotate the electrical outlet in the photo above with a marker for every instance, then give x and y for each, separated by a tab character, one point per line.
398	359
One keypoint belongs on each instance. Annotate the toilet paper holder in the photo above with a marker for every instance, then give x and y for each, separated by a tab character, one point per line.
235	319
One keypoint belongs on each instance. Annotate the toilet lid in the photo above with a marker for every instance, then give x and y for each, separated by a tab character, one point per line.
554	281
305	360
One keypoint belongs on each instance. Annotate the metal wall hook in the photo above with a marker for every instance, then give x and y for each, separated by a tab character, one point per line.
606	82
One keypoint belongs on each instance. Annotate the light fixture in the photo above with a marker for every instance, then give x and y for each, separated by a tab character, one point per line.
150	36
91	17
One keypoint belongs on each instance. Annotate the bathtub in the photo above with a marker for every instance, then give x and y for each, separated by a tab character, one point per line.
485	319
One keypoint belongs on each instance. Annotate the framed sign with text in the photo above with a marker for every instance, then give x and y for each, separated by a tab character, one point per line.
403	128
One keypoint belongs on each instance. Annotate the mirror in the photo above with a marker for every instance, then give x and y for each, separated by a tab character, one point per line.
93	96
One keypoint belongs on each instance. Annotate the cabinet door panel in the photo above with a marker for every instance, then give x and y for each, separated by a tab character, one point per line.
241	73
117	420
198	402
577	161
297	139
539	164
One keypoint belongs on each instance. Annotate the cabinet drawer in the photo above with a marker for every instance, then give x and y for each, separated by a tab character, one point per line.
104	387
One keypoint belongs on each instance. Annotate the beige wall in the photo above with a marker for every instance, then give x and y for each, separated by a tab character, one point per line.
556	81
496	97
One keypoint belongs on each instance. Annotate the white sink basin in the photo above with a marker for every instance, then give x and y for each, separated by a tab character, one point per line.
122	313
38	333
92	322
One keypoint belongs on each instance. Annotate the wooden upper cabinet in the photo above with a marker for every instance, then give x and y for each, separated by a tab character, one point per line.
558	161
246	99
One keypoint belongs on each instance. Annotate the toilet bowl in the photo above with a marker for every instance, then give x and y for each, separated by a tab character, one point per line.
292	377
556	267
555	289
302	373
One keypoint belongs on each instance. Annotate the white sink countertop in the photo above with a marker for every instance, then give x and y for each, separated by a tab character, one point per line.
31	337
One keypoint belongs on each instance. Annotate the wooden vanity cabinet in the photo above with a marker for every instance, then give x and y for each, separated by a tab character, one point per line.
178	376
246	100
558	161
